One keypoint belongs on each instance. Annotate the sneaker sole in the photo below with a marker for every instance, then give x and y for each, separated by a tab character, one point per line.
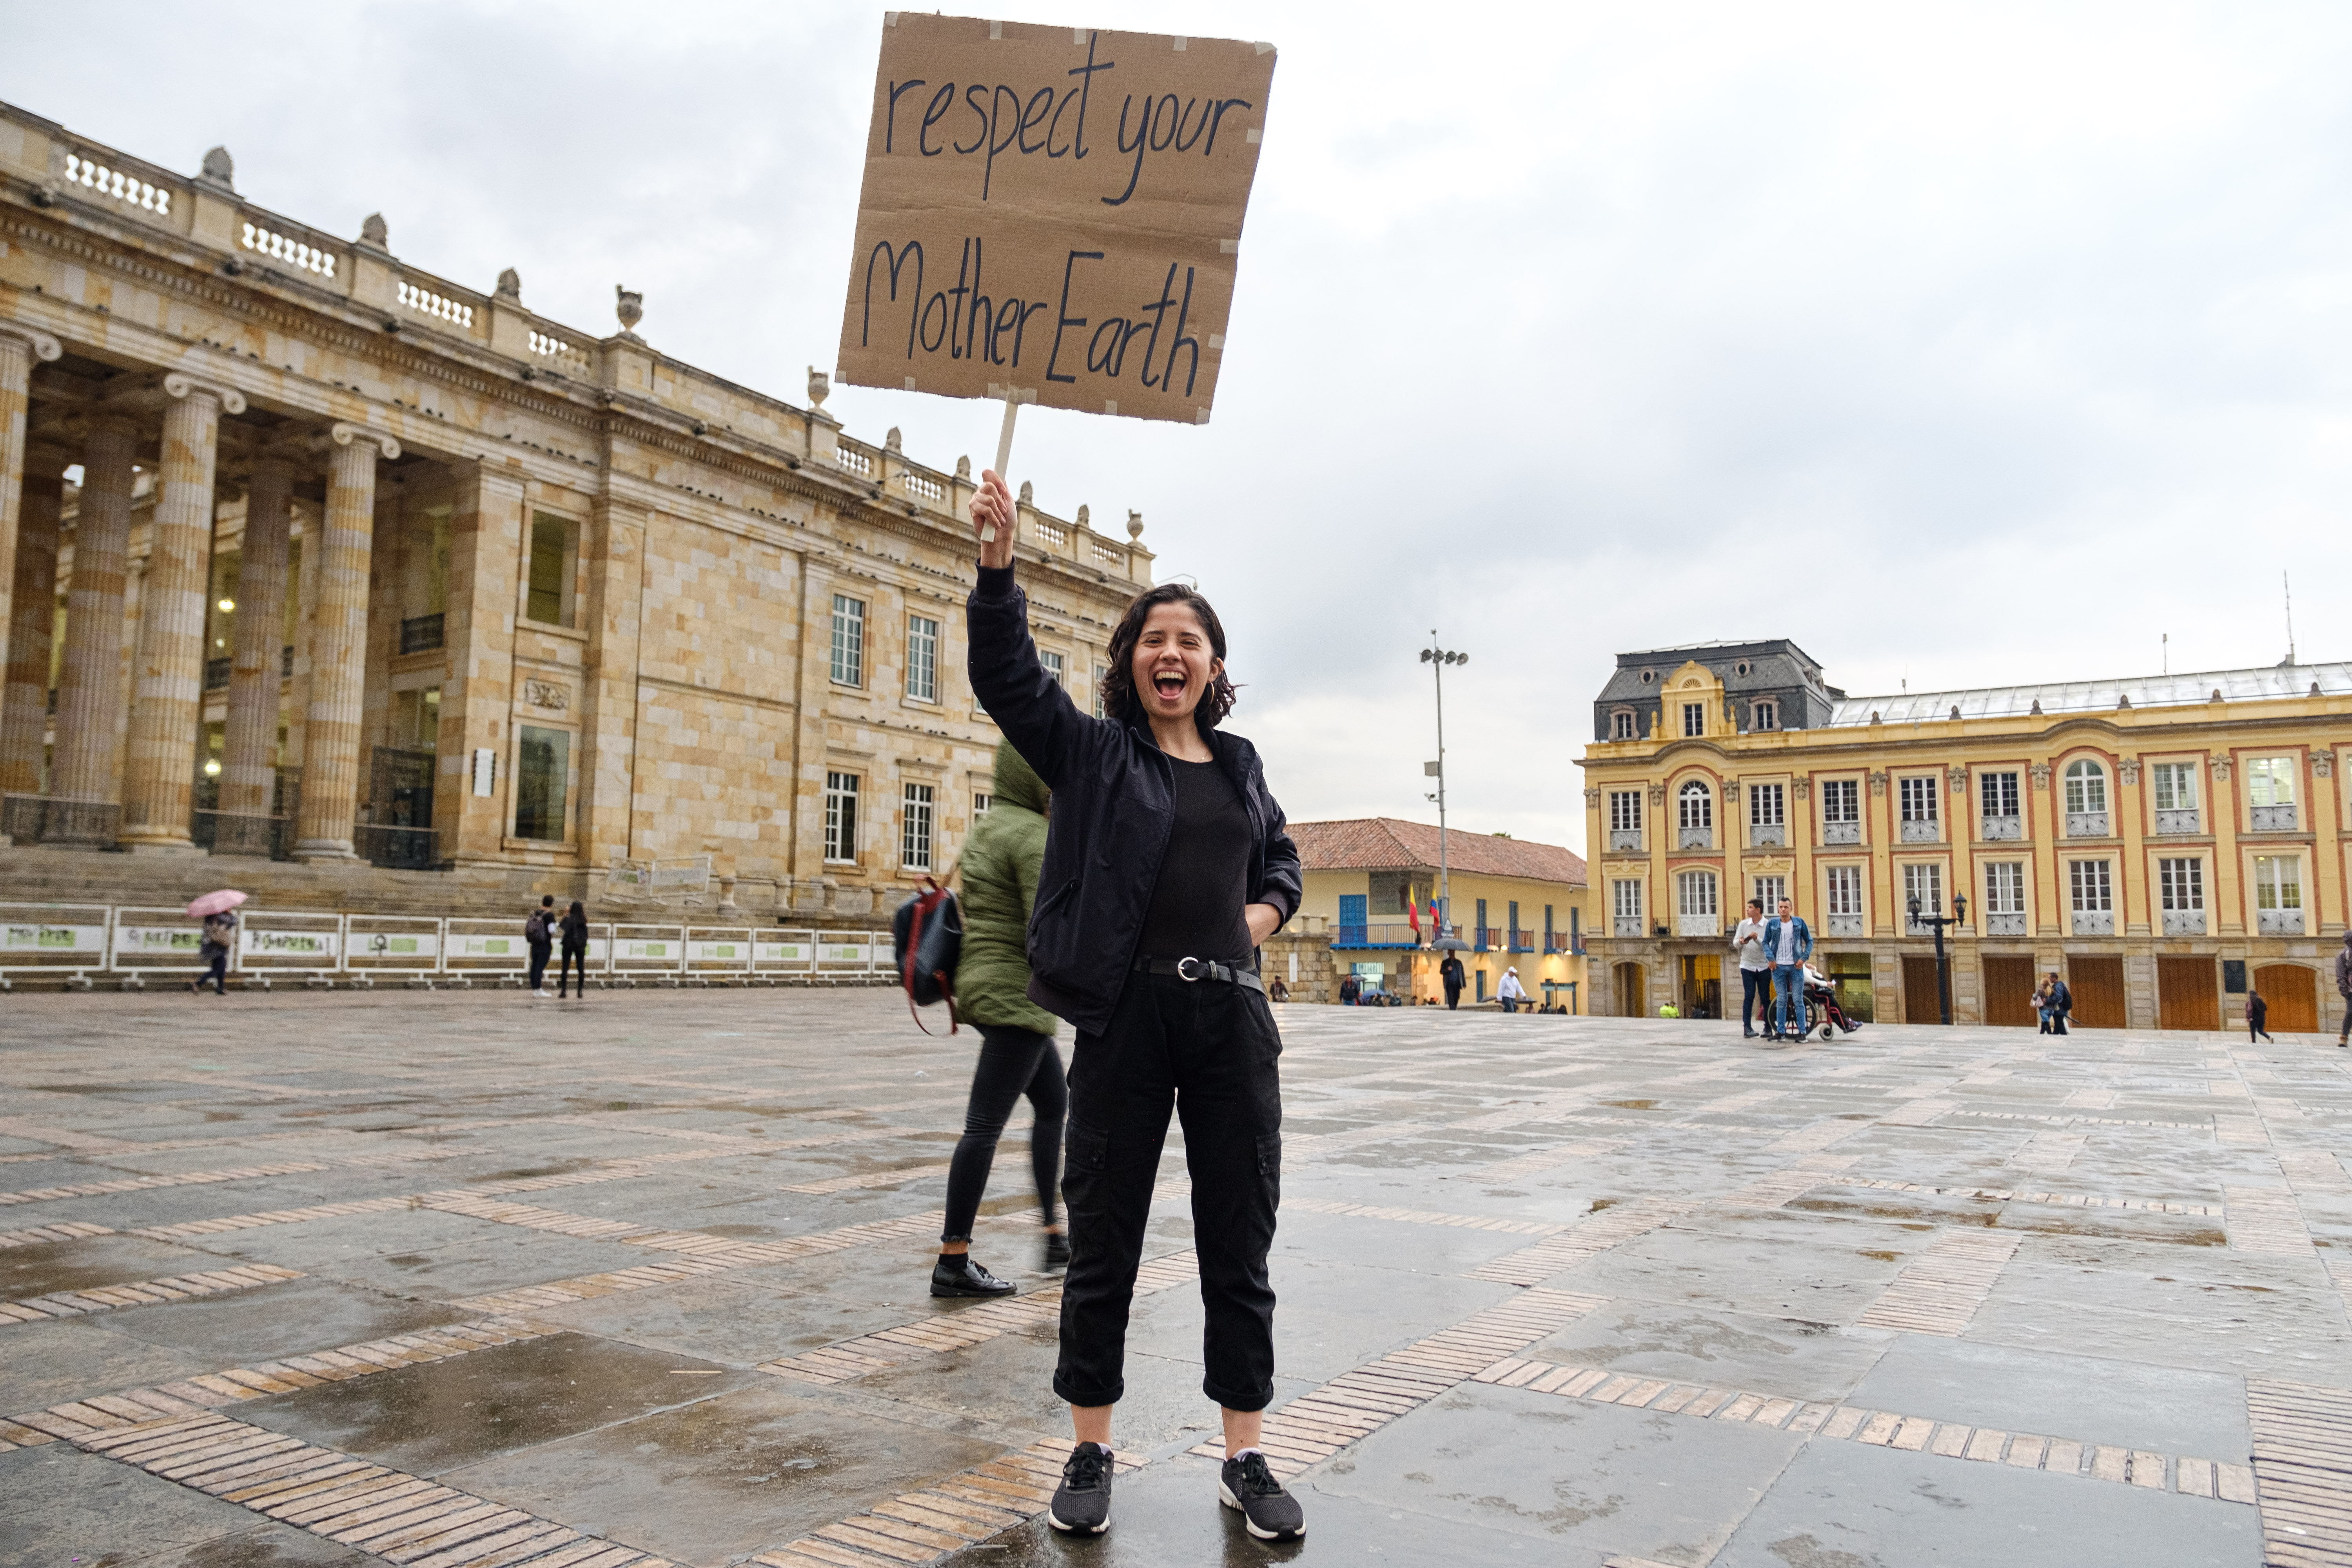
1075	1529
1225	1496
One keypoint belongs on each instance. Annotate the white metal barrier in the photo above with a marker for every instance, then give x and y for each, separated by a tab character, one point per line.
85	945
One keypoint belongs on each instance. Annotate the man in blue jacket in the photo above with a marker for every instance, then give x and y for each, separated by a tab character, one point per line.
1788	942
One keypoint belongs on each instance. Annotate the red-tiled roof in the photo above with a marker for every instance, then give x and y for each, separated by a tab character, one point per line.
1383	843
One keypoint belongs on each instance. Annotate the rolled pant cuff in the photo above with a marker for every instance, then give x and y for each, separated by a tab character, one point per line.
1088	1398
1238	1399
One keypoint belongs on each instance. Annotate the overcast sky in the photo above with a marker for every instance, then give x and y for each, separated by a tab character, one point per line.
1966	345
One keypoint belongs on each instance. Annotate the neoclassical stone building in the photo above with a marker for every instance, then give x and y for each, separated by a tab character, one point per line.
310	553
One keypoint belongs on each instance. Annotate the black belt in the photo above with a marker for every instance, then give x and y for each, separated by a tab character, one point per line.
1200	969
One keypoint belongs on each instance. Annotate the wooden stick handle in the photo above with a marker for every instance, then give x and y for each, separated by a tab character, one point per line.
1003	451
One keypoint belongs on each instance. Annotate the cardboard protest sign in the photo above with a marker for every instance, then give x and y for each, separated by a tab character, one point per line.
1053	215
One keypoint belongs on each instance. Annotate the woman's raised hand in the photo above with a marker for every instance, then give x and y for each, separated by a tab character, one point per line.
992	518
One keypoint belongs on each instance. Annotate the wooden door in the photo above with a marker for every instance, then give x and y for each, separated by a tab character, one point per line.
1922	1002
1631	991
2292	996
2098	987
2186	995
2009	991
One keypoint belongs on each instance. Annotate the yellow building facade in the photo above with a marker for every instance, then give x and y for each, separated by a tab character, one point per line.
2164	843
1519	905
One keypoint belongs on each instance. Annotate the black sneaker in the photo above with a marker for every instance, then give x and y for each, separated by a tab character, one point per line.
1270	1512
1058	1252
959	1276
1082	1502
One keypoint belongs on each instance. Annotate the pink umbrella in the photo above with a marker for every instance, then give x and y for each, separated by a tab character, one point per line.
214	903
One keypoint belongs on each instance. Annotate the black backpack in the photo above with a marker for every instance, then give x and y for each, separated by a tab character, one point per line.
926	942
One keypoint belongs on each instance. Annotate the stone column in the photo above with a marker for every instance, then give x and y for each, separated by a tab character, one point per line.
486	544
19	347
168	678
249	770
89	680
608	738
330	759
33	623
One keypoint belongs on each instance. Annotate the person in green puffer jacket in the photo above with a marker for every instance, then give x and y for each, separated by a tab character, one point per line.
1000	862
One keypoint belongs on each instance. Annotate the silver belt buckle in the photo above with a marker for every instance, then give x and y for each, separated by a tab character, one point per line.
1182	973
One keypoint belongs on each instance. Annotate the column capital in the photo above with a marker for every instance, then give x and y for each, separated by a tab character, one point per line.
178	386
44	347
343	434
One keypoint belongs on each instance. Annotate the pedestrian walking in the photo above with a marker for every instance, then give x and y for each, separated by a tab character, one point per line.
1510	992
1167	865
1276	991
539	930
219	941
1788	942
2343	989
1350	989
1449	973
1000	864
573	932
2258	1018
2060	1001
1754	971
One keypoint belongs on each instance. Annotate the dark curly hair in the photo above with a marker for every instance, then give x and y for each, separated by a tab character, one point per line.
1118	675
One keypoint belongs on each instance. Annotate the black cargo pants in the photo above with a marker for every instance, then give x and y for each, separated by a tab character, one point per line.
1208	1050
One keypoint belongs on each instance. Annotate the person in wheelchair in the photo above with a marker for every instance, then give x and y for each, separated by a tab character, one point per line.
1822	1009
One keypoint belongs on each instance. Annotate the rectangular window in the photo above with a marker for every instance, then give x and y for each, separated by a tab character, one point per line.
2094	890
416	719
1694	893
2270	781
1767	716
1626	811
1917	797
922	658
542	771
2005	888
1102	673
1621	726
555	560
1845	892
980	803
2278	881
1694	718
1052	663
2176	786
1767	806
915	829
1998	793
848	640
2181	883
1771	890
1925	883
1841	800
841	818
1626	900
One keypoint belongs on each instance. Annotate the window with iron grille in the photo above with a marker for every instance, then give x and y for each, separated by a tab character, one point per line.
1841	800
922	658
1998	793
1917	799
915	828
2005	888
2093	887
1845	891
2181	883
848	640
1697	806
1626	811
1694	718
841	817
1767	804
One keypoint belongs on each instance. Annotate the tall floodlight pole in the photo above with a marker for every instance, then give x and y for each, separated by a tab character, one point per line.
1437	659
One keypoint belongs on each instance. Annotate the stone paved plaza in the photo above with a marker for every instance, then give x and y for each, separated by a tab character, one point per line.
451	1280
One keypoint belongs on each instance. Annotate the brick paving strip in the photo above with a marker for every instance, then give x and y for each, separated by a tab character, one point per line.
143	1292
2008	1196
2303	1465
385	1512
1940	1289
946	1516
143	1183
1883	1428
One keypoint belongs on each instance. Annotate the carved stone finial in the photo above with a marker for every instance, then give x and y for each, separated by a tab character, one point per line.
894	442
1084	518
964	468
2217	694
2037	706
2123	699
820	387
511	285
1134	524
373	234
629	304
1028	493
1956	711
219	169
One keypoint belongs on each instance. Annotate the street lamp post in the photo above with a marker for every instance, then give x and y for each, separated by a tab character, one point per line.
1943	963
1437	659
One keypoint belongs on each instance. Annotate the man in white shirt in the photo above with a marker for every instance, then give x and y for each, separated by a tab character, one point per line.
1754	971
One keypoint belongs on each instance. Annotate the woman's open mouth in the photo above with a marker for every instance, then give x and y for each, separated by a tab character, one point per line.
1169	684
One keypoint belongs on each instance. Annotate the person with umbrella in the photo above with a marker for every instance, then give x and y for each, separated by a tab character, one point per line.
217	911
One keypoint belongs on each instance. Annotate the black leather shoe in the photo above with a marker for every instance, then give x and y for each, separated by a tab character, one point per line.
1058	1252
959	1276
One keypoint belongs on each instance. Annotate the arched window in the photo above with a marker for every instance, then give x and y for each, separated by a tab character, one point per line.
2086	787
1697	806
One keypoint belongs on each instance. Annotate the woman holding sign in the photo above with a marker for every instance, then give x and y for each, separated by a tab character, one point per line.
1166	867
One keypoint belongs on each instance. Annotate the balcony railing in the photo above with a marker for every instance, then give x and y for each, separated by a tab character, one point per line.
1564	942
2272	819
2178	821
1696	839
2095	922
1391	933
2086	825
2184	923
2010	924
1923	831
1768	835
1625	838
1847	925
237	833
43	819
1626	925
1990	828
1522	940
1841	832
216	673
420	634
396	848
2278	922
1698	925
1485	939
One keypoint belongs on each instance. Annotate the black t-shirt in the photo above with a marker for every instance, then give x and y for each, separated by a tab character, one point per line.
1197	903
